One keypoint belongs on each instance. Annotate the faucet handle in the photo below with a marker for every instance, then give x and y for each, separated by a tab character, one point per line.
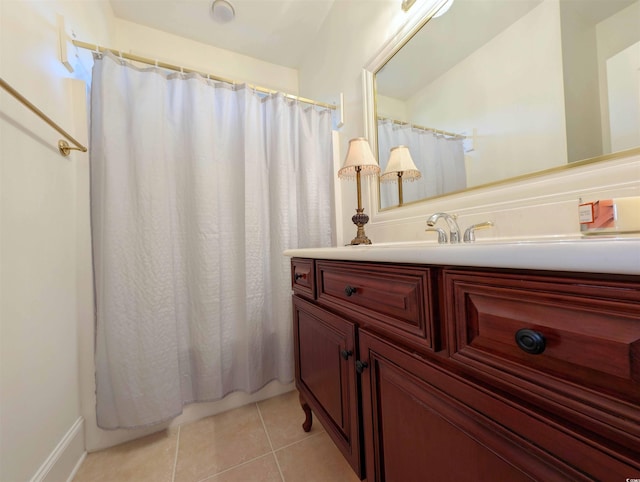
442	236
470	232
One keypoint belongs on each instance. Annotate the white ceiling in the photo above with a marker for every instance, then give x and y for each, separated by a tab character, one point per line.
276	31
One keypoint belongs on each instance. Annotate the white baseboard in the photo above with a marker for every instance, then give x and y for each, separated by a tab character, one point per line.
63	462
77	466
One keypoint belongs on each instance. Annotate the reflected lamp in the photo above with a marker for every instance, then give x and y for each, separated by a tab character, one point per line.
400	167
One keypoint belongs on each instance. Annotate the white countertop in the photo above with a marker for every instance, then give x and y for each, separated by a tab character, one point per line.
591	254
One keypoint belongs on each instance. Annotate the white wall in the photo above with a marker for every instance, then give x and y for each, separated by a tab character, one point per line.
623	77
581	90
614	35
40	392
352	36
148	42
518	118
392	108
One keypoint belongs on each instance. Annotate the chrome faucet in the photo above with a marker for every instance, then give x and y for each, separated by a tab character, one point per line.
454	230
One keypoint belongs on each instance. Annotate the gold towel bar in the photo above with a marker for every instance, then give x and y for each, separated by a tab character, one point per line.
63	146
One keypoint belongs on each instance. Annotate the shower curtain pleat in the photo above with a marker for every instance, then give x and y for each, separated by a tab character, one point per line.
440	160
196	191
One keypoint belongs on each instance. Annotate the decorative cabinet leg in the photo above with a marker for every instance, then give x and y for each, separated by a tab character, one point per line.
306	426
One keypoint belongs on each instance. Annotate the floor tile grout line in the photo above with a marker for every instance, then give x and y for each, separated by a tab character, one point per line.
209	477
298	441
175	458
275	457
272	452
264	425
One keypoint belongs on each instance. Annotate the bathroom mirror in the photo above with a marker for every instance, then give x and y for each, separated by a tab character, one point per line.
493	90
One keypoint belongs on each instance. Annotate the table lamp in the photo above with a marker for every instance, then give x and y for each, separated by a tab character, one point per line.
359	162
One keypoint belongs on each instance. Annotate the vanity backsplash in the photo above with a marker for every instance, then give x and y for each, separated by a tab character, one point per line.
553	219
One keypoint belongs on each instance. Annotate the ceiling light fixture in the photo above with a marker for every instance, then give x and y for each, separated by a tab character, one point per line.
222	11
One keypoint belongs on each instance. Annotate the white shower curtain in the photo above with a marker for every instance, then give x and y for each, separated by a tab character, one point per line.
197	188
439	158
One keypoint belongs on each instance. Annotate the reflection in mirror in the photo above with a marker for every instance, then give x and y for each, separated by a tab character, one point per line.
400	168
496	89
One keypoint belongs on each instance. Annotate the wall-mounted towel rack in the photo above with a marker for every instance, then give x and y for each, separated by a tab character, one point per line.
63	145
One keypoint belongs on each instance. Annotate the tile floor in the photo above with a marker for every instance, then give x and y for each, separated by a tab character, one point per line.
261	442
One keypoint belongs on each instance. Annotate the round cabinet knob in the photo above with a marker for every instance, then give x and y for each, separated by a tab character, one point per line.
349	290
346	354
530	341
360	366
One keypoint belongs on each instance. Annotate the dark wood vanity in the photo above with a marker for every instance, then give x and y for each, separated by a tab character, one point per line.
429	373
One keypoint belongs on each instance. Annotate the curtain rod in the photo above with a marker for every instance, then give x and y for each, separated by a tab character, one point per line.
178	68
63	146
430	129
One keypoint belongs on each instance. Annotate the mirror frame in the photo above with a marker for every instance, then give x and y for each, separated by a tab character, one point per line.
420	18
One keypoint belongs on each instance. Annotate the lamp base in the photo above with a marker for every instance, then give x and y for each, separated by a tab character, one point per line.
360	219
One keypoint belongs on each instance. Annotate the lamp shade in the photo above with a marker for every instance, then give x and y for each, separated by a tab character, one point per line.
400	162
359	155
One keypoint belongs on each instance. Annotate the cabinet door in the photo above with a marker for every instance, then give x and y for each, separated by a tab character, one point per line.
324	346
419	426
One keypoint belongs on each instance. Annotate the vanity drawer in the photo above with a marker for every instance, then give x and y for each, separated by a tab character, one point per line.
386	298
587	334
302	277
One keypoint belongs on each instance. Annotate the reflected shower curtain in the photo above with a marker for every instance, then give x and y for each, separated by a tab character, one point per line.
196	190
439	158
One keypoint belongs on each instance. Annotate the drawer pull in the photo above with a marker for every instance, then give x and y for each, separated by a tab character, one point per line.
298	276
360	366
530	341
349	290
346	354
